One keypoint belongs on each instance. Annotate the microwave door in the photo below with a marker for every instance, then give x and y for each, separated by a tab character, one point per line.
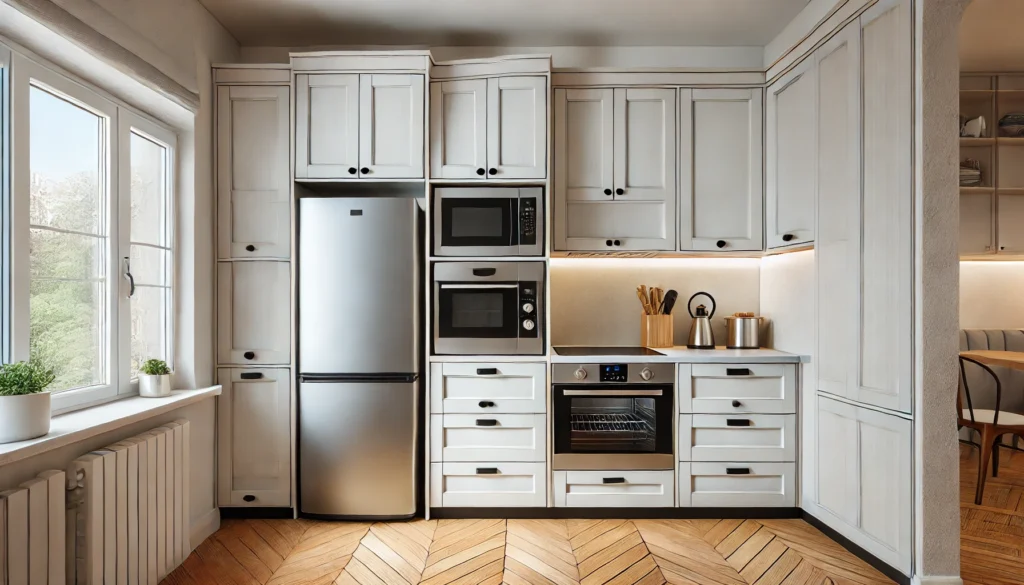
477	226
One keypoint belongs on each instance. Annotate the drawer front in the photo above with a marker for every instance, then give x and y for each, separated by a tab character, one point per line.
732	388
492	437
747	437
495	485
614	489
704	485
478	388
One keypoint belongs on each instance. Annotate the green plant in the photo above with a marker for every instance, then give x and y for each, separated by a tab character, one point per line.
24	378
155	368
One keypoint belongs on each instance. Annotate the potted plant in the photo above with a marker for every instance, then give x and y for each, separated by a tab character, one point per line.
24	401
155	379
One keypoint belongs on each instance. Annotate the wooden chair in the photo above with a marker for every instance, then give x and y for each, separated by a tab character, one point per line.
990	424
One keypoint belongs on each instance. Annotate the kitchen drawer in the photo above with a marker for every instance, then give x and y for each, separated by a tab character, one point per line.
491	437
756	485
496	485
732	388
488	388
614	489
747	437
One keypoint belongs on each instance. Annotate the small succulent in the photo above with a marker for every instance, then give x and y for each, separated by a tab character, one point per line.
155	367
21	378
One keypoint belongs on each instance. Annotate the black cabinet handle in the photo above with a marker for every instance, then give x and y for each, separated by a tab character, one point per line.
613	480
251	375
249	498
486	403
485	271
787	237
365	170
352	170
736	404
486	422
492	171
481	172
486	371
737	471
487	471
617	243
720	243
607	242
250	248
607	191
249	355
620	191
737	422
737	371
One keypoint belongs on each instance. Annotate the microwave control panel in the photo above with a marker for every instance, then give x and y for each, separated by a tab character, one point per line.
528	309
614	373
528	221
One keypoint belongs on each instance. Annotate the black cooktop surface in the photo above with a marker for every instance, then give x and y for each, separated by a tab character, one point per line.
605	350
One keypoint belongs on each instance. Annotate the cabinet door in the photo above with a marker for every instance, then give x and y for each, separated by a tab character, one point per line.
253	184
326	126
976	223
391	126
458	129
837	248
517	127
254	310
791	157
1011	218
254	437
720	167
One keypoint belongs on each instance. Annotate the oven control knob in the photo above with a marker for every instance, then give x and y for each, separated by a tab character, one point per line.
528	324
579	374
527	307
646	374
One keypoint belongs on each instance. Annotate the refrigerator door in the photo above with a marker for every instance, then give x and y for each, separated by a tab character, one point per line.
359	285
357	449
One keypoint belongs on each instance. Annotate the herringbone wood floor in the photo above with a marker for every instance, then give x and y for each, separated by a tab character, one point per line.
522	552
992	535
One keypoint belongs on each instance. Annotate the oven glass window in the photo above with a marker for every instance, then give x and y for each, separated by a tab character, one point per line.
613	425
478	311
483	222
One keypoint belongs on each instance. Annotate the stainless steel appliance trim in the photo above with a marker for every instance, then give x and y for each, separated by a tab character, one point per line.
478	286
612	393
662	373
463	271
610	461
523	250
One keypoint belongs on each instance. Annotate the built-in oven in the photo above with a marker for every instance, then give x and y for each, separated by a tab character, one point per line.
613	416
488	221
488	308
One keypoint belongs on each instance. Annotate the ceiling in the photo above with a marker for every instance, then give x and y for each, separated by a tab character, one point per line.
296	23
990	38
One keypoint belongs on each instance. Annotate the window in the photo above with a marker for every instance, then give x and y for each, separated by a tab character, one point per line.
5	183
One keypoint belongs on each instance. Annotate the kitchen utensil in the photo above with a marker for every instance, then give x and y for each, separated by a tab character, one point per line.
669	302
656	331
648	310
701	336
742	331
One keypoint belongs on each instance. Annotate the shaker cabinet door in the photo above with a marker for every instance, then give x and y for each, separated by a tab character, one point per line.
391	126
791	157
254	309
517	128
326	126
253	184
458	129
976	215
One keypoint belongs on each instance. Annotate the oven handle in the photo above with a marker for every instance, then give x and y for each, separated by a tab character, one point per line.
612	393
444	286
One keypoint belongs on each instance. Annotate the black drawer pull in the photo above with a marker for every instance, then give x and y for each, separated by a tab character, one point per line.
787	237
737	371
737	471
485	271
487	471
486	422
737	422
486	371
736	404
249	355
486	404
613	480
250	248
251	375
249	498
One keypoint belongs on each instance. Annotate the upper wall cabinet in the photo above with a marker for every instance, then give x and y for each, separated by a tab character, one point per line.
253	185
365	126
615	169
720	168
492	128
791	157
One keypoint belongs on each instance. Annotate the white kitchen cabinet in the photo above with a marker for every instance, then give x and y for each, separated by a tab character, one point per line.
484	388
253	183
489	485
254	313
350	126
748	437
615	175
743	484
614	489
254	437
737	388
491	437
1011	218
791	161
721	203
489	129
976	224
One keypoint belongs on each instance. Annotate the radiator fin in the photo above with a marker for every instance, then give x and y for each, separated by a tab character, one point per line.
32	532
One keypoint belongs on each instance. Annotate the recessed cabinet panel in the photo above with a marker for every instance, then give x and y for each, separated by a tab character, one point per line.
327	126
976	223
391	133
583	136
458	127
517	114
254	314
253	184
645	160
1011	224
635	225
792	156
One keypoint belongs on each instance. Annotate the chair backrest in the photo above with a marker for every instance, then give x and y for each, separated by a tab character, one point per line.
983	387
965	385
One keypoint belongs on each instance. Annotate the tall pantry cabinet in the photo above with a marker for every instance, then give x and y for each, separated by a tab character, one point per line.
253	278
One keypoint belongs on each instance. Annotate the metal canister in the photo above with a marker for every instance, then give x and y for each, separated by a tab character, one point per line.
743	332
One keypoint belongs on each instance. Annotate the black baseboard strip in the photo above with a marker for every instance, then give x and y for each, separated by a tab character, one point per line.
886	569
603	513
256	513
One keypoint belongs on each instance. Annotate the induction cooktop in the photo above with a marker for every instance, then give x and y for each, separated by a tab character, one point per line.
604	350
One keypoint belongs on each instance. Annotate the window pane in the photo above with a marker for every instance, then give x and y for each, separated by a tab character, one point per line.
149	265
149	329
149	183
66	330
66	256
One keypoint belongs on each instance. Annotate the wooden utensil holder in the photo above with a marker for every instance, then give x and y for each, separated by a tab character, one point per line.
656	331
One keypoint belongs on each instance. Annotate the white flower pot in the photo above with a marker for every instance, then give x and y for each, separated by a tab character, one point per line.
24	417
154	386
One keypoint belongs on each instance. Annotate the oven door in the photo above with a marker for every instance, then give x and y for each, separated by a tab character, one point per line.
476	318
476	226
613	426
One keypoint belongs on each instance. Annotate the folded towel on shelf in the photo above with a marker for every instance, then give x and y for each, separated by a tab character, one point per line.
970	173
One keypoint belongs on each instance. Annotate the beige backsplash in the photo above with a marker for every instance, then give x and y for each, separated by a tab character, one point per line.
593	301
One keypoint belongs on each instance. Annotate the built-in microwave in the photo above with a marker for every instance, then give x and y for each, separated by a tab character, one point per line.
489	221
488	308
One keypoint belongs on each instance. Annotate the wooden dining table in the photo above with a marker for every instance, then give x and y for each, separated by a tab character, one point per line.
1007	359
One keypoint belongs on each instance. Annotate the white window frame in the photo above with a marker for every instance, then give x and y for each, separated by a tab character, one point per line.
5	186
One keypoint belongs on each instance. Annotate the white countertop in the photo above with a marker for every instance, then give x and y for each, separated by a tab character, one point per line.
682	354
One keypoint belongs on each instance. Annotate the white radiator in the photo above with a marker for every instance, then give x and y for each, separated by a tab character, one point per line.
32	532
132	504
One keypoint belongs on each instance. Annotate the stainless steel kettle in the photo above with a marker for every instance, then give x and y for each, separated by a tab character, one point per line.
701	336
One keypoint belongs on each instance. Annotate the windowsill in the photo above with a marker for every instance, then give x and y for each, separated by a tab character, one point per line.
83	424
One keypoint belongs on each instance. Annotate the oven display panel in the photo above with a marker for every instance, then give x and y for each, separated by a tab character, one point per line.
614	372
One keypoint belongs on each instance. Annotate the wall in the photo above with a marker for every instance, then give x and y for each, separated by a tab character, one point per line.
990	36
990	295
594	302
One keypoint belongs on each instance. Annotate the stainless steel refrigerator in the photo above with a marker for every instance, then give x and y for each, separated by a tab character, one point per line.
359	356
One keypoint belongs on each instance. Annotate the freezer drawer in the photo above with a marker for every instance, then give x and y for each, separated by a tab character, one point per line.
747	437
493	437
737	388
357	448
481	388
493	485
753	485
614	489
